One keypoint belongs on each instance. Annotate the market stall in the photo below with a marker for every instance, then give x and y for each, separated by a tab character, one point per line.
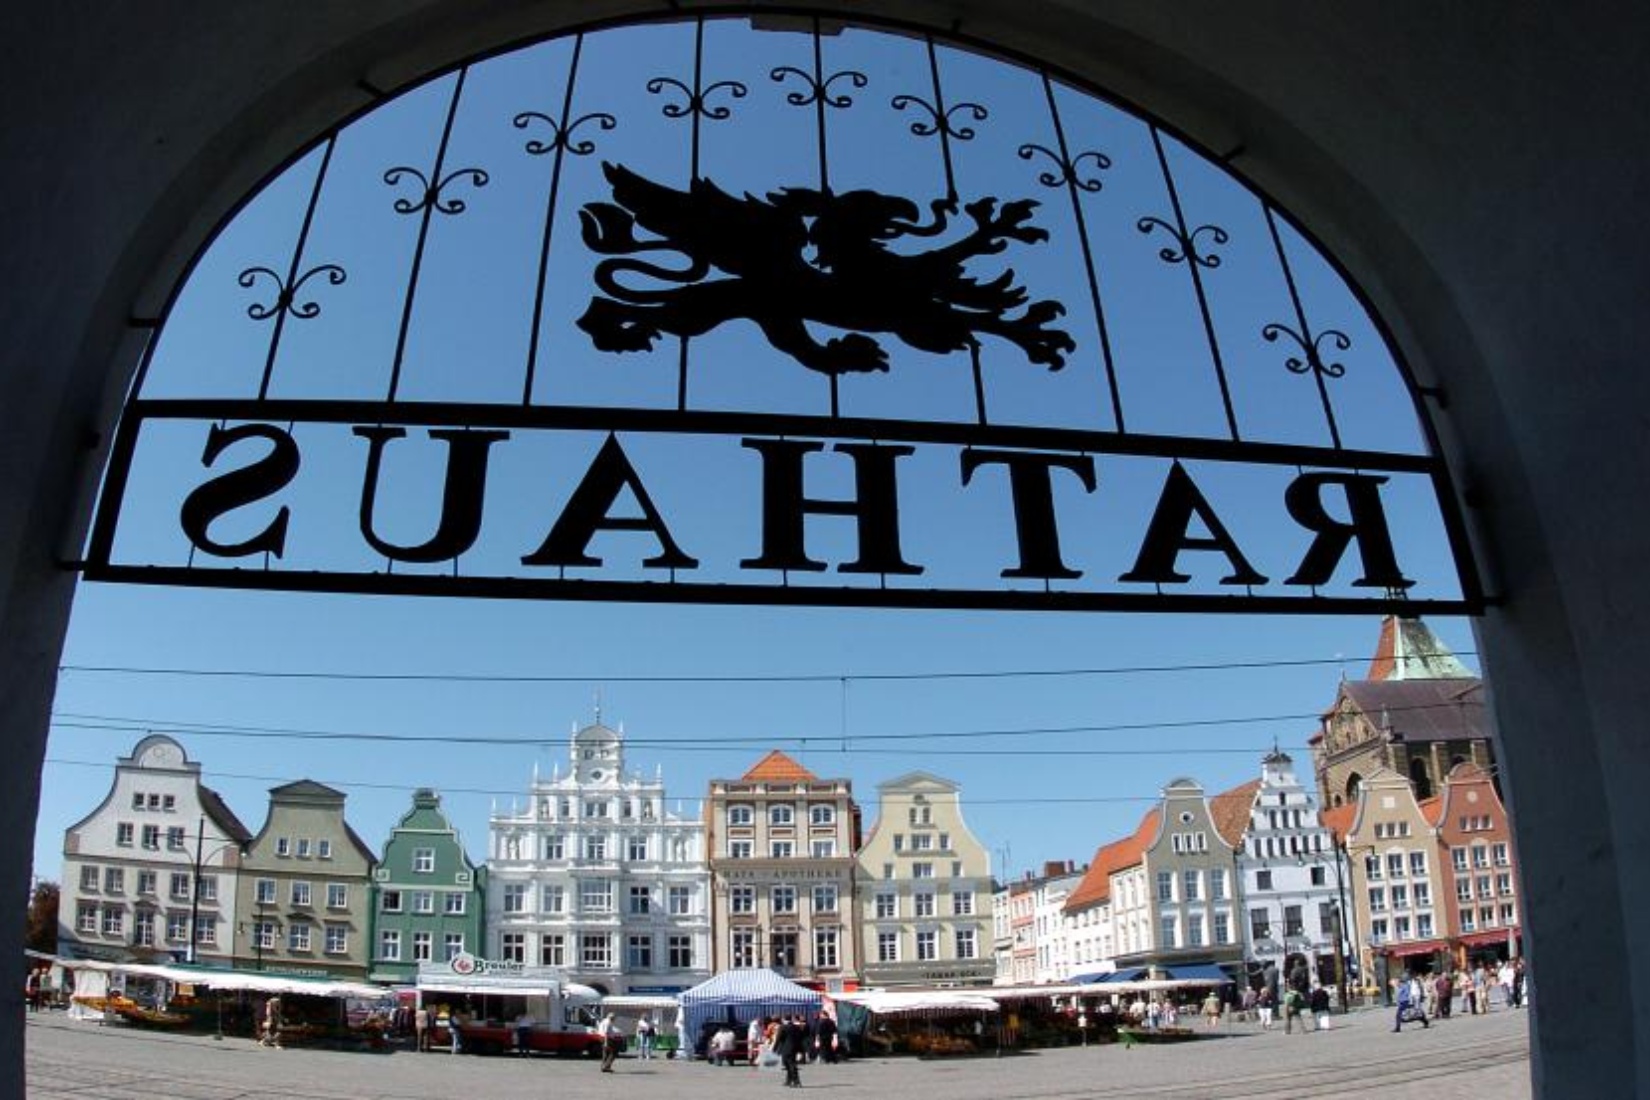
738	996
927	1022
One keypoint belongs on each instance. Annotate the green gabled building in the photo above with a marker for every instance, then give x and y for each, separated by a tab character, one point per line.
427	896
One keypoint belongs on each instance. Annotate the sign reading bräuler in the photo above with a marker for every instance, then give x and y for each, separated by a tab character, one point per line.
785	520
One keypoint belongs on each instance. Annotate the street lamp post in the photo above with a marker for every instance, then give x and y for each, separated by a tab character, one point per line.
1340	928
195	881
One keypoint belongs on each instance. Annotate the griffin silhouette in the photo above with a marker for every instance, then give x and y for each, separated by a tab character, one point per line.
802	255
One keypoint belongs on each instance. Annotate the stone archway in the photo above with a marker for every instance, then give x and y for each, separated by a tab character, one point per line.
120	172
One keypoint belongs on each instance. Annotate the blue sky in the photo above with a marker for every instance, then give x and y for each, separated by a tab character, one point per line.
1057	747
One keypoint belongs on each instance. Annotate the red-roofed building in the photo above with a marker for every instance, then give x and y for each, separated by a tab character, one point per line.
782	845
1033	944
1418	713
1167	894
1480	868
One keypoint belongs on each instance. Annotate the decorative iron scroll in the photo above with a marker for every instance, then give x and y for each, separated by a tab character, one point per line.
623	333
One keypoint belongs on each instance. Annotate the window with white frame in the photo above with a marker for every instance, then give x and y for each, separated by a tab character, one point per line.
1499	854
927	945
899	842
86	917
515	897
1458	858
1165	885
825	897
826	952
175	838
680	899
146	882
823	848
389	945
595	951
300	893
454	903
303	847
1194	929
452	946
143	930
206	930
177	927
297	936
337	895
1217	884
114	880
323	849
596	896
1167	928
888	947
742	899
822	815
555	845
91	877
781	813
151	837
1223	928
423	861
922	870
740	849
1377	899
641	900
283	846
742	948
922	903
922	842
513	946
741	814
680	952
423	901
595	847
966	943
595	808
781	849
636	847
209	888
1423	925
962	903
553	949
1192	885
423	944
887	906
638	952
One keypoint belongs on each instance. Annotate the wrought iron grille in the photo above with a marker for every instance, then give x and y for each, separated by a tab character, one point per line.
783	312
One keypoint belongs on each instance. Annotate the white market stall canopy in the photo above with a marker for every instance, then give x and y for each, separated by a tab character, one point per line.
918	1002
231	980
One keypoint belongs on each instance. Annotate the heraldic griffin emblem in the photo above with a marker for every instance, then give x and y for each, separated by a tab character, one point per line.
800	256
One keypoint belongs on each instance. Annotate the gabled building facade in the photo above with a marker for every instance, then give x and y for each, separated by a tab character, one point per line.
924	889
1287	865
782	843
1392	848
428	898
594	878
1480	869
153	867
305	888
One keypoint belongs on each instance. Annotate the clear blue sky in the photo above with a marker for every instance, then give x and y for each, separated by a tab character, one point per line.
1051	765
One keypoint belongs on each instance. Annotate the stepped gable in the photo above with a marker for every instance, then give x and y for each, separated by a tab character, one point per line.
1111	858
776	767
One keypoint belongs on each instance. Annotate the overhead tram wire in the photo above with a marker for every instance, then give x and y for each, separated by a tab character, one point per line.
517	792
108	723
735	678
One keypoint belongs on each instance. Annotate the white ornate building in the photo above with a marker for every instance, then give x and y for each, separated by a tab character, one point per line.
594	878
1289	875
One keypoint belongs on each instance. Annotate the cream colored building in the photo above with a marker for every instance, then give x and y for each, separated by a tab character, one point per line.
925	891
782	843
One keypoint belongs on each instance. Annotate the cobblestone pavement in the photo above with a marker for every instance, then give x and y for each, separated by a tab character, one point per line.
1486	1056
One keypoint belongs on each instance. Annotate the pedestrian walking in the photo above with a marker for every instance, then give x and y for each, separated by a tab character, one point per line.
788	1043
272	1024
421	1028
612	1040
1263	1003
645	1031
1410	1002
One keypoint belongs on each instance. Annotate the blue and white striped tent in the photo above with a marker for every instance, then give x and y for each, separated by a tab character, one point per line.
741	995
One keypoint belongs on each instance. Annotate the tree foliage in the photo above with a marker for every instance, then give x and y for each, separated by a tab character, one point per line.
42	927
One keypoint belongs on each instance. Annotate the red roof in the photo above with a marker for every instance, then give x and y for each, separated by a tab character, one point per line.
776	767
1432	810
1096	885
1230	811
1339	820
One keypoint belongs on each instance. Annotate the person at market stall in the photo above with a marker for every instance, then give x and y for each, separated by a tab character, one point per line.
645	1031
272	1024
421	1027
